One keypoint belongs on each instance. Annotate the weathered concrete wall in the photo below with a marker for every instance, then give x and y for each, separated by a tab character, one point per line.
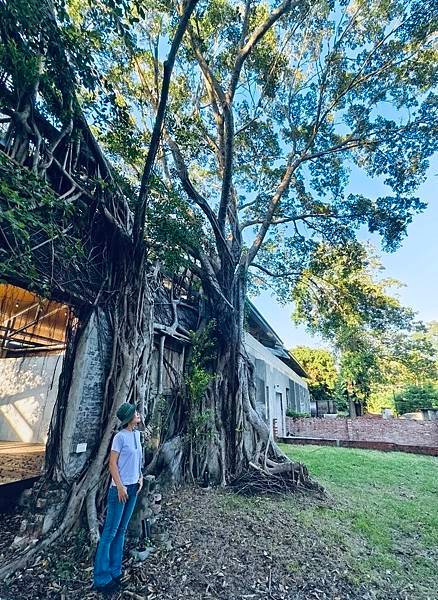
277	386
29	386
28	389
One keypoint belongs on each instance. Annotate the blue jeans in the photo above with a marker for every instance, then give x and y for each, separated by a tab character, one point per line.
109	554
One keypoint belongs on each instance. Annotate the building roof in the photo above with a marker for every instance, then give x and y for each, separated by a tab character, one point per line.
30	324
259	328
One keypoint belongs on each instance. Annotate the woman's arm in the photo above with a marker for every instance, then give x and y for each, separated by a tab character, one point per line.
140	459
114	470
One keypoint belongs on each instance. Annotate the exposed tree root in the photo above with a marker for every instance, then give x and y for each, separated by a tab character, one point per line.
278	479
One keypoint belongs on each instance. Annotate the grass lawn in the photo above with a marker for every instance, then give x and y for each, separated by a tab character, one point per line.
383	514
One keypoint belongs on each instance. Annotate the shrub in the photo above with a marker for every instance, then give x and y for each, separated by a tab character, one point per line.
296	415
415	397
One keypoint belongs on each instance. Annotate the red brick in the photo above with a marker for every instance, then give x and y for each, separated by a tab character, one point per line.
363	429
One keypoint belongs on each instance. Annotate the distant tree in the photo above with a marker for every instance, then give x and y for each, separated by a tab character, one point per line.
358	370
426	339
378	341
380	398
431	333
416	397
320	366
341	396
405	360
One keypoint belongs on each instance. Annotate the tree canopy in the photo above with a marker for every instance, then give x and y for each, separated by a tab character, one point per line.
270	106
343	296
320	366
414	398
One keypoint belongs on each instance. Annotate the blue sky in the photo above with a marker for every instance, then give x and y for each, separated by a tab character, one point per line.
415	264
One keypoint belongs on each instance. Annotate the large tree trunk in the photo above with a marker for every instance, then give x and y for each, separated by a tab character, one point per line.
106	364
219	436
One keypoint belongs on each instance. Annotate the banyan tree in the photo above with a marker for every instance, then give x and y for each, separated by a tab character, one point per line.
213	135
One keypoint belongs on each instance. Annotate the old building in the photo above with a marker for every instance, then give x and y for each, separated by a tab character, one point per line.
32	343
279	378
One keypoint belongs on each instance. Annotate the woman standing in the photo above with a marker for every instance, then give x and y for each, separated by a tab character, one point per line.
127	480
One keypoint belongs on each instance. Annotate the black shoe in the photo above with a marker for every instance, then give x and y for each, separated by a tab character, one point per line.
112	586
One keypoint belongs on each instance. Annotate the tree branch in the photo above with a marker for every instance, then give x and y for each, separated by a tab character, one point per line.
223	117
245	51
272	274
281	189
139	217
207	272
255	37
190	190
290	219
356	80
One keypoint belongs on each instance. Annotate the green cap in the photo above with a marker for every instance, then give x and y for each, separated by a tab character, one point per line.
126	412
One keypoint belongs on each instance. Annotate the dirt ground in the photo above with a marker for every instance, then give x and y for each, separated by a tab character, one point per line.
219	546
20	460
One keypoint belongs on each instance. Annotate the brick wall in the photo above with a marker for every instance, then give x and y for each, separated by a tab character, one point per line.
362	429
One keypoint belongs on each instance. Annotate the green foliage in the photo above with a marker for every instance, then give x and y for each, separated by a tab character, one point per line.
99	41
431	334
342	297
28	31
203	347
323	89
342	292
32	217
414	398
199	377
358	369
320	365
381	397
13	59
341	397
197	381
172	227
296	415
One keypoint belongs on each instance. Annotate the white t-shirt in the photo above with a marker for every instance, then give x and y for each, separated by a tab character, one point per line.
128	445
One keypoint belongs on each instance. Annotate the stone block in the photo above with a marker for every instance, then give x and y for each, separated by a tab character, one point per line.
18	541
23	525
142	555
